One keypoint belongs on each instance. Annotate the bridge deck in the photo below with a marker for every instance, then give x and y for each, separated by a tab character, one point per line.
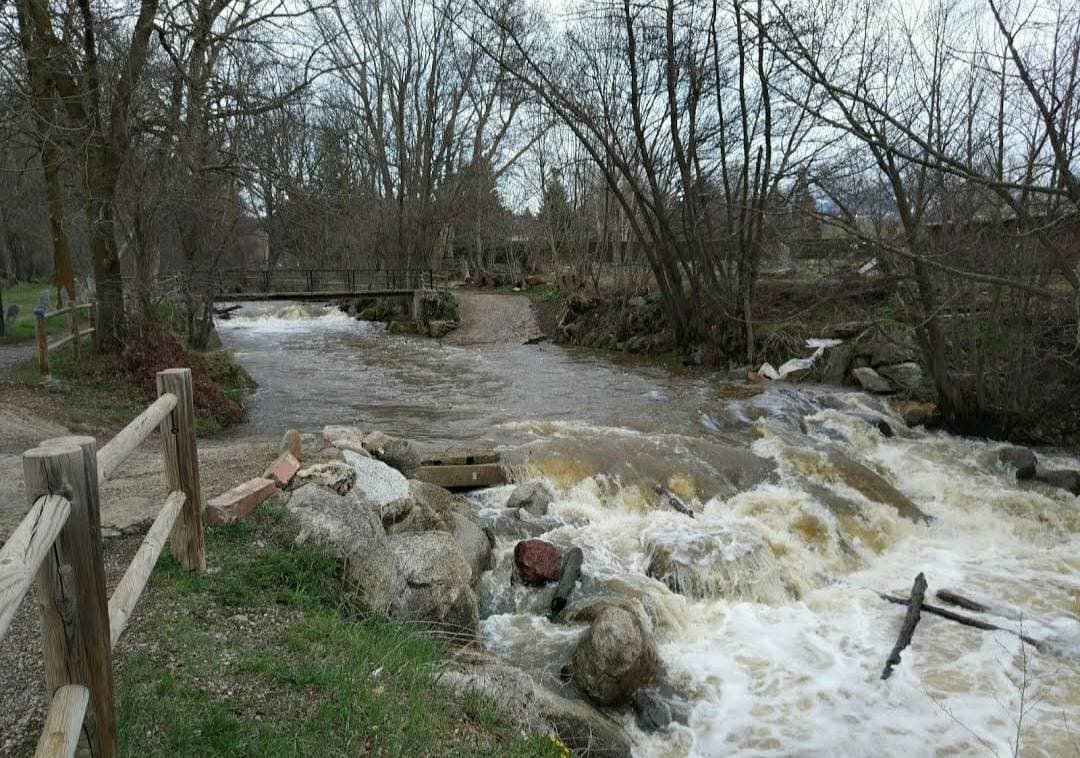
247	297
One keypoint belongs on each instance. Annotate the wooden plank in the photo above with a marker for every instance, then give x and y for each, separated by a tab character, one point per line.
125	443
63	725
131	586
87	332
62	342
244	297
462	477
181	458
71	584
25	549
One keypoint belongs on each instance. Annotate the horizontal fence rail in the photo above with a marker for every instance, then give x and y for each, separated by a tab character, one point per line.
57	546
75	334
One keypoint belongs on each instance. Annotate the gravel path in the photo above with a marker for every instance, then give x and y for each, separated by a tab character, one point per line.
12	355
493	318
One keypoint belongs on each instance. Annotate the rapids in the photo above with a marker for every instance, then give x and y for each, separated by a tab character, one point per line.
768	624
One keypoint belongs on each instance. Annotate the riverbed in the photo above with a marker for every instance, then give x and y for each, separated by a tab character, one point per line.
775	642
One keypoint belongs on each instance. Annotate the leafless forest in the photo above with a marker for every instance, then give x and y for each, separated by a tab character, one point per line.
712	153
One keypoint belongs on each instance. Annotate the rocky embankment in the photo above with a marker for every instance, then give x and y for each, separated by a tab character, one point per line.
416	552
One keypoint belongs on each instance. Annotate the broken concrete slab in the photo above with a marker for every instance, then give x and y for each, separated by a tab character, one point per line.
463	477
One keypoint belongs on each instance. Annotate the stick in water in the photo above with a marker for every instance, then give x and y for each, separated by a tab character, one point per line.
918	590
961	619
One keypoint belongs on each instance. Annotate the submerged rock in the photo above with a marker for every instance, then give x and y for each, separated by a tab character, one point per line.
1066	480
650	711
1021	459
873	486
537	562
724	562
533	497
616	657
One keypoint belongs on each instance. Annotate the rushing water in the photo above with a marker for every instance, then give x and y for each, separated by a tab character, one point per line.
776	643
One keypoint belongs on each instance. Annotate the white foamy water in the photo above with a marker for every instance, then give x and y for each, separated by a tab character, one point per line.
777	637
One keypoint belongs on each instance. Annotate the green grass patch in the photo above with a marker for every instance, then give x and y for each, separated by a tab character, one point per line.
27	295
303	674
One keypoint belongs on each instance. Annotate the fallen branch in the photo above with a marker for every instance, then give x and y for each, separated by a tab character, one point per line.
955	598
961	619
911	619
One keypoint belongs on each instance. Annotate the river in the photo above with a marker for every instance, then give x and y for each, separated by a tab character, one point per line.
775	642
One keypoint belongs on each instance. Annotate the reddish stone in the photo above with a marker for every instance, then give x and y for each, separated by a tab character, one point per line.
283	469
537	561
239	501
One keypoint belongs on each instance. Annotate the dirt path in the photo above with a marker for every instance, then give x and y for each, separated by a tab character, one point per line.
494	318
12	355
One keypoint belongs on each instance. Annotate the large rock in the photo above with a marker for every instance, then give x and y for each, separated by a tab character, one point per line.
343	524
475	544
870	380
338	476
533	497
907	375
837	360
871	484
886	347
438	582
422	508
616	657
1020	459
378	481
1066	480
533	708
537	562
291	442
392	451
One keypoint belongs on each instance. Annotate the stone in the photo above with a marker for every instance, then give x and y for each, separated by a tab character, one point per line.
616	657
292	443
475	544
650	711
439	328
392	451
353	446
906	375
534	708
337	432
535	280
283	469
1066	480
379	482
537	562
338	476
1021	459
402	327
915	413
886	348
533	497
837	360
238	502
438	582
463	477
346	525
870	380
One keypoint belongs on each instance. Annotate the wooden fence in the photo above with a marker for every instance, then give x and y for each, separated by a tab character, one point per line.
74	338
57	546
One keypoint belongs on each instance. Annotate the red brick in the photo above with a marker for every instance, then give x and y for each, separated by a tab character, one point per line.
238	502
283	469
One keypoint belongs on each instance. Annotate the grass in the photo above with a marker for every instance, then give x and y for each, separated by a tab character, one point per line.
26	296
306	676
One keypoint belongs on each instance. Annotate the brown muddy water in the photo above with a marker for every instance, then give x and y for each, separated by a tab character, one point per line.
775	641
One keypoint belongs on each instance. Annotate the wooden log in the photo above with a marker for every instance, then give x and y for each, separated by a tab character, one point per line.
58	312
568	576
71	584
961	619
955	598
907	629
42	335
131	586
112	455
24	551
180	453
87	333
673	501
63	725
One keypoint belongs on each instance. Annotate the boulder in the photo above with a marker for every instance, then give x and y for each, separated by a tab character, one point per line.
437	580
336	432
616	657
535	280
532	707
423	507
907	375
870	380
346	525
336	475
378	481
1066	480
650	711
475	544
837	360
532	497
537	562
1022	460
886	347
392	451
292	443
512	527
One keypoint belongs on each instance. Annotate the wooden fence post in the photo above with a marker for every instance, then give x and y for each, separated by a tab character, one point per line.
42	342
92	315
73	322
181	458
71	585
